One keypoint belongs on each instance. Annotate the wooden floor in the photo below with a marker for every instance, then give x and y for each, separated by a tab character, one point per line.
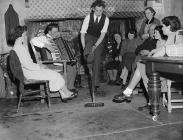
73	121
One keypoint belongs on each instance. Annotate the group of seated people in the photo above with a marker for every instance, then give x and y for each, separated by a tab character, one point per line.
121	56
131	47
156	37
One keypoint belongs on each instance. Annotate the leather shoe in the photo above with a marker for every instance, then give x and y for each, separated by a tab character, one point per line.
74	90
74	95
121	98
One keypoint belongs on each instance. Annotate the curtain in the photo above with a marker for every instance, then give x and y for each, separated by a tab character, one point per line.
121	26
130	24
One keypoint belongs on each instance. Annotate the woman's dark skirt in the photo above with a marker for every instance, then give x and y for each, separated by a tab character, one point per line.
128	60
113	65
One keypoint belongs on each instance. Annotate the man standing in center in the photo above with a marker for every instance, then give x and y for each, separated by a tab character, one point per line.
93	31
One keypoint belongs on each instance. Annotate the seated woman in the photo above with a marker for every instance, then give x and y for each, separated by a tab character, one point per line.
148	44
128	54
158	34
158	51
112	66
35	71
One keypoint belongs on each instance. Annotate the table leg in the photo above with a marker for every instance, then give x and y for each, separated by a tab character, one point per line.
154	91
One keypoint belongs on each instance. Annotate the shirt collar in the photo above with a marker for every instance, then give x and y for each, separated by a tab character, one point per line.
96	17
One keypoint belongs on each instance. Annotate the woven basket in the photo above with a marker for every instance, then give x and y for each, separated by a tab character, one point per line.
175	50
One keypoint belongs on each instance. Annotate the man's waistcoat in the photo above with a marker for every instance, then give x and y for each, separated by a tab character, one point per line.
93	28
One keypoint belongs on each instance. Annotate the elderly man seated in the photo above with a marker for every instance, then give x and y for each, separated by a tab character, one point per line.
46	41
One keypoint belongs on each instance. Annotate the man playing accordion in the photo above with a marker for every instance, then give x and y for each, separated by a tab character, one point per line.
51	45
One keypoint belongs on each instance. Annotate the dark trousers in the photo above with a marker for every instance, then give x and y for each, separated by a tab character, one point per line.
71	76
93	66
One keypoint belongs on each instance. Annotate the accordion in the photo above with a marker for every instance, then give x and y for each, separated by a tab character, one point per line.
66	52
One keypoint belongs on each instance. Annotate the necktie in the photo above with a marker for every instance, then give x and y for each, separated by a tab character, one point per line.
96	20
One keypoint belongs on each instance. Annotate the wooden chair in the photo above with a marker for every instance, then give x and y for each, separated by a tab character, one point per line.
61	68
16	69
169	102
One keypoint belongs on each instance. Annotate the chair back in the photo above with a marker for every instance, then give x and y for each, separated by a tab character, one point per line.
179	36
15	66
35	52
41	54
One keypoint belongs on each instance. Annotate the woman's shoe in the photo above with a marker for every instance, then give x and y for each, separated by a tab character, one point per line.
122	98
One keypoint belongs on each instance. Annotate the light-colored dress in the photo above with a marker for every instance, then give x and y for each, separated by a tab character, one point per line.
160	50
32	70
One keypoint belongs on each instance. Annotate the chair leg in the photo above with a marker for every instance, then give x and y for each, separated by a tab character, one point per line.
42	93
169	96
60	95
21	89
19	102
164	100
48	93
180	91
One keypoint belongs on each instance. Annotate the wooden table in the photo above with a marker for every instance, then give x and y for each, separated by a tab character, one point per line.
154	67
